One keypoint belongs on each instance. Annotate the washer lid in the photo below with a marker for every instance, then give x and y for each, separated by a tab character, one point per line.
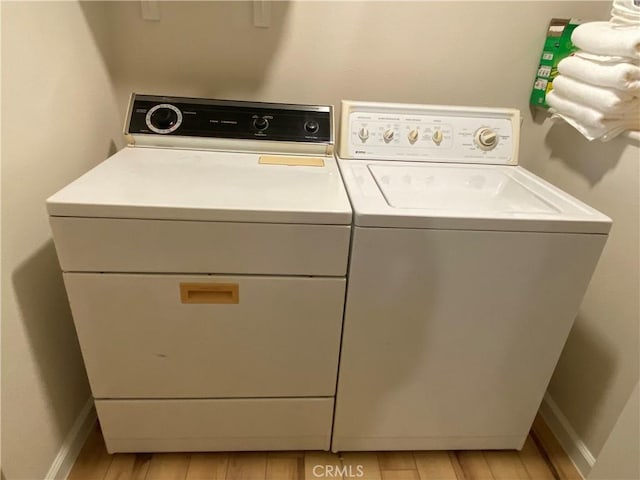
171	184
474	190
488	197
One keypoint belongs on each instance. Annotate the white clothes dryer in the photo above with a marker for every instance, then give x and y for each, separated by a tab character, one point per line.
205	265
466	274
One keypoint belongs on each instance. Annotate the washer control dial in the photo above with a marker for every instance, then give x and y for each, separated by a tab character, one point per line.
413	136
163	118
388	135
486	138
363	134
437	136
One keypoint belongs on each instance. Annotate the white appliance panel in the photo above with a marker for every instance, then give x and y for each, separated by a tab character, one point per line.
401	132
216	424
167	184
450	337
170	246
139	340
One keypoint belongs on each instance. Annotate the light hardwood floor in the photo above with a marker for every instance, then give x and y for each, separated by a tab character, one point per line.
540	459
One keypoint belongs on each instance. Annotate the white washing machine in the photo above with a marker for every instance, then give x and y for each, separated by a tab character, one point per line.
465	277
205	266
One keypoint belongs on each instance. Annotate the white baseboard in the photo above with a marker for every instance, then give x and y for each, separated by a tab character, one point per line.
73	443
576	449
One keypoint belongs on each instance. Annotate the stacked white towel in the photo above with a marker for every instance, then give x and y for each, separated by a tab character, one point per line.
603	38
598	88
612	72
592	123
625	13
609	100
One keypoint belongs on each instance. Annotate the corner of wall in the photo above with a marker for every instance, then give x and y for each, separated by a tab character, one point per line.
73	442
573	445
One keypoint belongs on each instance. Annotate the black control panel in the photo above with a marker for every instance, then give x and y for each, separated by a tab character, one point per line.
196	117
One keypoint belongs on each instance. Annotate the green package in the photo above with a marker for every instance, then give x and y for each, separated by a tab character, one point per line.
557	46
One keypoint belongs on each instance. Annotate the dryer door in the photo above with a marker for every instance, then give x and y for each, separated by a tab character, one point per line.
196	336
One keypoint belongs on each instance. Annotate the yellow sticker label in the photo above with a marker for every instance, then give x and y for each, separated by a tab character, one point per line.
292	161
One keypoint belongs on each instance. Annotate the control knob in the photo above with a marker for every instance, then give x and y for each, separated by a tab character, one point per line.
388	135
413	136
437	137
363	134
163	118
311	126
260	123
486	138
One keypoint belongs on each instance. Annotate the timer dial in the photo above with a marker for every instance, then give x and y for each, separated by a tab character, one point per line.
163	118
486	138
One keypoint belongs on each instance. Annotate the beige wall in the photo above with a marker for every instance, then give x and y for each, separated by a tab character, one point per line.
620	456
476	53
464	53
600	364
58	120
